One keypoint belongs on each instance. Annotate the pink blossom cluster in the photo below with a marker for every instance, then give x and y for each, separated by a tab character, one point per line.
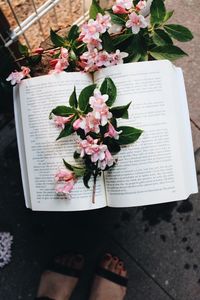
65	181
99	153
99	115
16	77
91	30
135	18
61	63
93	59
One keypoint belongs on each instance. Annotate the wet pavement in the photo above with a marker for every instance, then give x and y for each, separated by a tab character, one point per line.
160	244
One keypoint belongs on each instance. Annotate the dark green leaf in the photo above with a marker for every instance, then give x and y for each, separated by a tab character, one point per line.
108	87
112	144
76	155
167	52
120	39
23	49
68	130
157	11
117	19
161	38
83	99
56	39
144	57
133	58
63	111
107	42
78	171
120	111
34	59
179	32
95	9
73	33
86	177
73	99
168	15
129	135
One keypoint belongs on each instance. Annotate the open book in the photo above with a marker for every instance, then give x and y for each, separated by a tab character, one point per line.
158	168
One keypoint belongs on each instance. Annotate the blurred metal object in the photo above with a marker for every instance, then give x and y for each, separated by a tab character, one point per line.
39	12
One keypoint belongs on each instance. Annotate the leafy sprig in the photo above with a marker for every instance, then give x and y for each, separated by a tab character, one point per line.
79	109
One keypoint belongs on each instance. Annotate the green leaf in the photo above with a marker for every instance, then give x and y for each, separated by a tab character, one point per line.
34	60
84	96
168	15
76	155
129	135
120	111
23	49
179	32
167	52
73	99
56	39
86	177
161	38
157	11
112	144
120	39
107	42
117	19
78	171
73	33
108	87
63	111
95	9
144	57
68	130
133	58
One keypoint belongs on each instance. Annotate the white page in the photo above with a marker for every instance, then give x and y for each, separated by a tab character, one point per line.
185	132
44	155
21	146
151	170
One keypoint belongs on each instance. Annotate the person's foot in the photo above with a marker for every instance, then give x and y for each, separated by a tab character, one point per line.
106	289
57	286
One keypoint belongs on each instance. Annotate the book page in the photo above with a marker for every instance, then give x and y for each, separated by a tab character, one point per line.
21	146
44	154
152	170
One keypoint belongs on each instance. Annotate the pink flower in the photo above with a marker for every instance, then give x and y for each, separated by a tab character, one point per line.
89	60
103	59
88	123
136	22
61	121
38	50
100	109
112	132
104	22
79	123
25	71
117	57
92	123
122	6
89	31
16	77
97	102
108	160
98	153
65	181
64	188
64	175
88	146
60	63
141	5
